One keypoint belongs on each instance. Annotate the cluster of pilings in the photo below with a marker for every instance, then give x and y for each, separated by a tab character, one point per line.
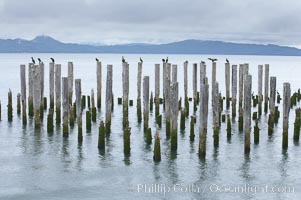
61	96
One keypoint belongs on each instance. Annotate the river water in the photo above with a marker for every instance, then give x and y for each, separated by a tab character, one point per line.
38	165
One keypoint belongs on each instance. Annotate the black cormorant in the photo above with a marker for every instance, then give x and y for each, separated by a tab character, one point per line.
52	60
33	61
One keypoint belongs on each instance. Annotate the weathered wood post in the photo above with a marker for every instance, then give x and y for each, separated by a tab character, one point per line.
260	97
174	73
101	136
78	93
234	90
157	148
157	89
204	92
297	125
50	121
37	96
42	74
266	87
247	111
240	97
174	110
272	101
164	77
167	85
216	112
286	110
125	91
213	77
58	92
94	110
18	104
0	112
127	140
70	82
145	101
227	80
109	98
194	85
65	92
10	106
30	89
51	85
23	93
139	77
186	102
99	82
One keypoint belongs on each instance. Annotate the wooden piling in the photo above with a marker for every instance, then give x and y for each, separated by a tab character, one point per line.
50	121
65	94
70	82
227	80
286	110
266	87
99	82
23	93
145	101
174	109
216	119
167	81
157	148
78	95
58	92
94	110
247	111
30	89
204	96
37	96
10	106
157	89
42	74
18	104
125	92
297	125
109	98
139	77
234	90
0	112
272	101
51	85
194	85
127	140
101	136
213	77
240	97
260	96
186	103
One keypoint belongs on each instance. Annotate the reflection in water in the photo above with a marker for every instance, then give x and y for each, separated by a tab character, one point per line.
283	164
65	154
37	142
172	169
245	168
79	157
127	160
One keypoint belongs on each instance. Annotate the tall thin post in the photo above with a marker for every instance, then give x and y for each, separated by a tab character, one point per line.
70	82
65	92
227	80
109	98
266	87
213	77
247	111
186	102
145	101
204	96
272	101
125	89
139	78
23	93
174	109
286	110
194	84
157	89
37	96
58	92
240	97
234	90
30	89
51	85
99	83
42	74
174	73
78	95
260	97
216	112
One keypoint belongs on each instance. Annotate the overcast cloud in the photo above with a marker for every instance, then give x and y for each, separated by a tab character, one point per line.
153	21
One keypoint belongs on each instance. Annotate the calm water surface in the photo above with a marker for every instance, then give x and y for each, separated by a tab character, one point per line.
38	165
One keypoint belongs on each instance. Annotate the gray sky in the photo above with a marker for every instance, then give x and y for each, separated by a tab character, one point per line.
153	21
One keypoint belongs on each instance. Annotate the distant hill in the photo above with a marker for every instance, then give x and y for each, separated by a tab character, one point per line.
46	44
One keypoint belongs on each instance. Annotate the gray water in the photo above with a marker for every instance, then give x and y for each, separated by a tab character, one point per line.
38	165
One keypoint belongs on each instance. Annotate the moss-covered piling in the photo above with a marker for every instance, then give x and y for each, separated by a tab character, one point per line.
10	107
157	148
101	136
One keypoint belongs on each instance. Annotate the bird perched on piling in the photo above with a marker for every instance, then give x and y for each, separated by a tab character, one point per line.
163	60
52	60
203	62
123	60
141	60
33	61
97	60
40	61
212	59
186	62
167	59
227	60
